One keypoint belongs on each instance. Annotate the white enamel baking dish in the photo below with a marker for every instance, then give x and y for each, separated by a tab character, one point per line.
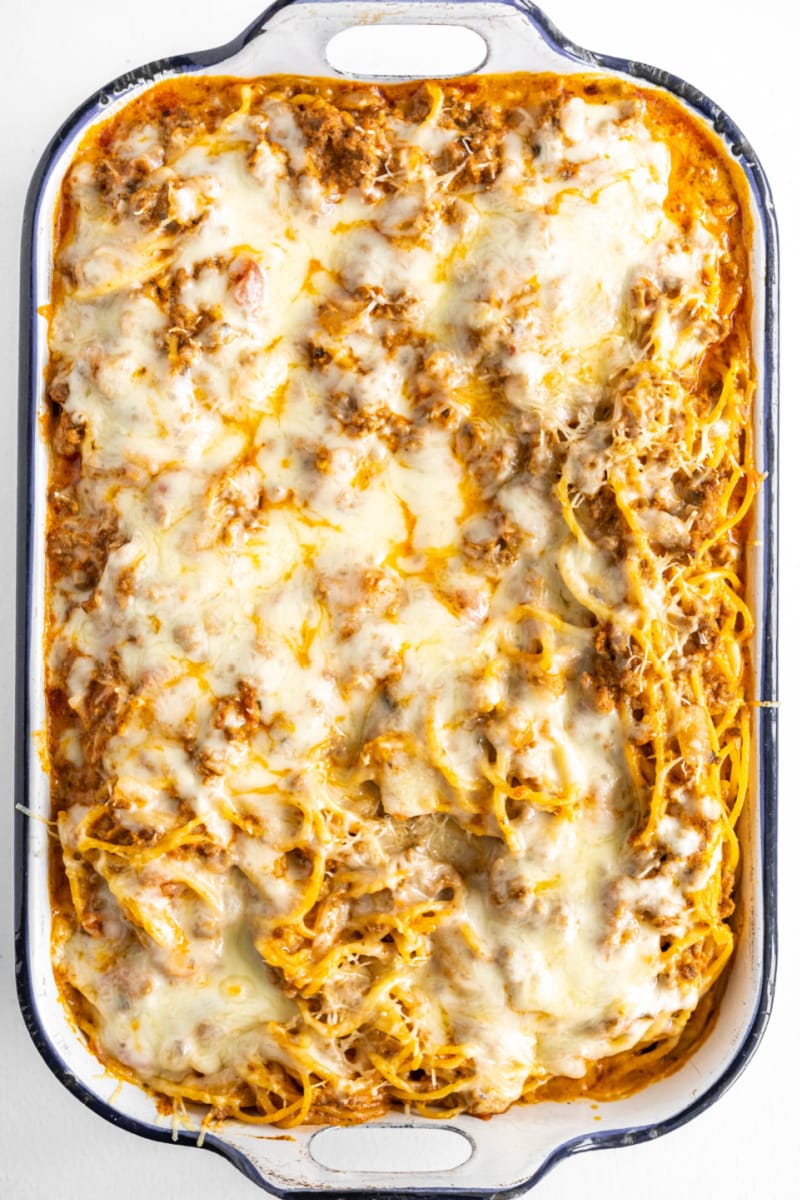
408	1155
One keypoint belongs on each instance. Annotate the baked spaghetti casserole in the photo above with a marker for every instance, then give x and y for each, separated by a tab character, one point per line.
398	686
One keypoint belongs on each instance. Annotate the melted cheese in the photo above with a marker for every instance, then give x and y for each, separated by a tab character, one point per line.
198	1022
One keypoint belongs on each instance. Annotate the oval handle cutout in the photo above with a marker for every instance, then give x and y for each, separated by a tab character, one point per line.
390	1149
406	51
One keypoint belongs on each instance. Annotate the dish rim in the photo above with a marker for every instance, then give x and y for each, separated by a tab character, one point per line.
766	683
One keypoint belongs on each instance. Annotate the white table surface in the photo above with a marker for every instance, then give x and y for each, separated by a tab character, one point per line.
52	55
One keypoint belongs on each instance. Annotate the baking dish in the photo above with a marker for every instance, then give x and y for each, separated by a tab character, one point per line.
510	1152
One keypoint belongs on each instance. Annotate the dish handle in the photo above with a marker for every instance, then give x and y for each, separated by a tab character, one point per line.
401	39
397	1155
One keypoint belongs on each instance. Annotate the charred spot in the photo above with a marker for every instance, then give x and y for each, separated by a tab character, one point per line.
604	411
317	355
645	1050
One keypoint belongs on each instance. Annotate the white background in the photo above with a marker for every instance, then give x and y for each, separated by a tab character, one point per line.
52	55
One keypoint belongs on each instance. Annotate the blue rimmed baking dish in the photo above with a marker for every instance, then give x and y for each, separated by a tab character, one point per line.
481	1158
